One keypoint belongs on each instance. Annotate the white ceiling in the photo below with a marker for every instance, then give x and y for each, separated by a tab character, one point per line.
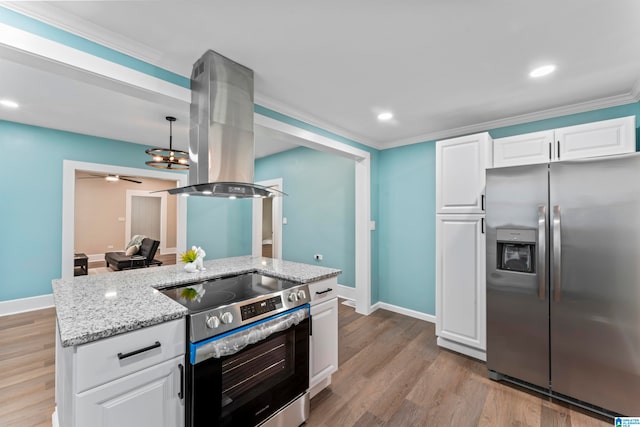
443	67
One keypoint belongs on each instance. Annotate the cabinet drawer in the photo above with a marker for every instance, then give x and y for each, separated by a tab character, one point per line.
323	290
98	362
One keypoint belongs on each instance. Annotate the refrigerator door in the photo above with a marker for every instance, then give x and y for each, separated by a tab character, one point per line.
595	307
517	276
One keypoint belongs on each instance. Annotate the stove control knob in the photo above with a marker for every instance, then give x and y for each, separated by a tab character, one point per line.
226	318
213	322
302	294
293	297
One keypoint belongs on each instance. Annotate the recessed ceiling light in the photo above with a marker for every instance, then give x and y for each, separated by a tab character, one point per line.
9	103
542	71
385	116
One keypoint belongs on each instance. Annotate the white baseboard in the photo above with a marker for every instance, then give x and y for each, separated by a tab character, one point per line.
461	348
96	257
21	305
406	311
347	292
169	251
54	418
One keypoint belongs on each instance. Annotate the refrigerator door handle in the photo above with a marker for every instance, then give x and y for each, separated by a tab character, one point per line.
542	250
557	255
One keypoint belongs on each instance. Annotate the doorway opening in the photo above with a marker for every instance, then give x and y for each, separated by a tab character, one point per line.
148	213
69	214
267	223
363	223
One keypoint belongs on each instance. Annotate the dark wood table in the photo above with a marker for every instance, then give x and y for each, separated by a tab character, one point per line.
80	264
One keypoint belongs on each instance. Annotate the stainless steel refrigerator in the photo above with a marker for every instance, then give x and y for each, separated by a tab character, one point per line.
563	280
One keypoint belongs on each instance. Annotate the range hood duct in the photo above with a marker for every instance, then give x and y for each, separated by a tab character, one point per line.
221	145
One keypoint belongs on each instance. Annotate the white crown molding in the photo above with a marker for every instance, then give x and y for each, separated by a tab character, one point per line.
581	107
279	107
50	14
635	91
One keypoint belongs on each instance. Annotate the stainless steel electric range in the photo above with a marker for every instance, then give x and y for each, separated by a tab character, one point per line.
248	351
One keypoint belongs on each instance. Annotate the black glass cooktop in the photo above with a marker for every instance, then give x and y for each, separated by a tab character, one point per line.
208	294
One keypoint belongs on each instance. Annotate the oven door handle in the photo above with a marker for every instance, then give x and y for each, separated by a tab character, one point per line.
234	341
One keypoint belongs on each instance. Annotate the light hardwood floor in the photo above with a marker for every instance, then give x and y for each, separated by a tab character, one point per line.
391	374
27	368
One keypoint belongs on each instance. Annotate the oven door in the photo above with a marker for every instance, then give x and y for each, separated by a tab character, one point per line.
243	377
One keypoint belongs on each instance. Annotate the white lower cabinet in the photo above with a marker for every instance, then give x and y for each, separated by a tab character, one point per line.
149	398
460	284
135	379
323	342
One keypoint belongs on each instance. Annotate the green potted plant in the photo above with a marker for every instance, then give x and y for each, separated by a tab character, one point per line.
189	257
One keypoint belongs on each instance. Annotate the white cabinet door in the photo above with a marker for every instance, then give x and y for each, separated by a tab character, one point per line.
147	398
617	136
526	149
460	173
323	341
460	280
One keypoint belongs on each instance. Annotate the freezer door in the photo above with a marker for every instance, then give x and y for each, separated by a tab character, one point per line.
595	307
517	277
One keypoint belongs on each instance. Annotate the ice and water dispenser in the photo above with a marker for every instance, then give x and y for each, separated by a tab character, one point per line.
516	250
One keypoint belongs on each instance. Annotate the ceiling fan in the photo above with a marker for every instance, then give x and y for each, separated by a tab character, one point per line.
113	178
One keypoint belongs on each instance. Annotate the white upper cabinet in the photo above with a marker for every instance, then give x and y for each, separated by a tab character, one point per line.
604	138
460	173
617	136
526	149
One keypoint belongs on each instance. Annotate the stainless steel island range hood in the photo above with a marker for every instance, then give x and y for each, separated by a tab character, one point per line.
221	145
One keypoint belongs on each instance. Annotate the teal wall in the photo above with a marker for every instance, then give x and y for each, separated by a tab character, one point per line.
402	248
31	194
407	210
319	207
222	227
406	228
374	183
227	237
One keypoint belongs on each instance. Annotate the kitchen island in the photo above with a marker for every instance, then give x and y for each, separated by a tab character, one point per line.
93	307
120	345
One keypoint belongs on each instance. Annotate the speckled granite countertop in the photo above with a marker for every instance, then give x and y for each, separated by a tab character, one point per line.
92	307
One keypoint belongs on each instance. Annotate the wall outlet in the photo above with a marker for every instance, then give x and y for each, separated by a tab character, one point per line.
284	220
121	219
317	257
109	246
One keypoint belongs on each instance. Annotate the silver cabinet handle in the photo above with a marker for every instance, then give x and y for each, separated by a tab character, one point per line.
542	251
557	254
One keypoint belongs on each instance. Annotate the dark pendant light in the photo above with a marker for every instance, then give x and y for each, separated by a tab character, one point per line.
168	158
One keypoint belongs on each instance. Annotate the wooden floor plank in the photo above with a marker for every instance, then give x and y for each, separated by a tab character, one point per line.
391	373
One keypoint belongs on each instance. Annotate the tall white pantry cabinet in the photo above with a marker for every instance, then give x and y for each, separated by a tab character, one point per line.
460	243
